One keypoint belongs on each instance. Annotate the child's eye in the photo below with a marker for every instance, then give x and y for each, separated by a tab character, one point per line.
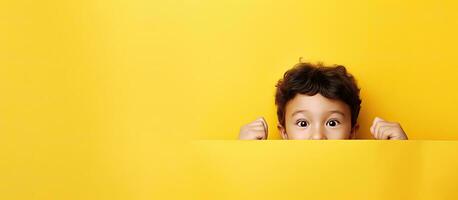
332	123
302	123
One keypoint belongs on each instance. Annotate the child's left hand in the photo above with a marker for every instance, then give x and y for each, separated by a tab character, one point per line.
384	130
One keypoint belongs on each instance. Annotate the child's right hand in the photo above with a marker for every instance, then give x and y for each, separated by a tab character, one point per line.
256	130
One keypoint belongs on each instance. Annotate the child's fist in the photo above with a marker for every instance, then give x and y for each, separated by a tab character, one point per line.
256	130
384	130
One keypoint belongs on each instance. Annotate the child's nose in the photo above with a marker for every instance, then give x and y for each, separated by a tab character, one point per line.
318	134
319	137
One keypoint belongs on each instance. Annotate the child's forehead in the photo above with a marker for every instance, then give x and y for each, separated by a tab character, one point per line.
315	103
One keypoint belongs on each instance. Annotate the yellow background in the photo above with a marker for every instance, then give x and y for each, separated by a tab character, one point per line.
97	97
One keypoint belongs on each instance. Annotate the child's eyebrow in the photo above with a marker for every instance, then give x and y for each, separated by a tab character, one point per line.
299	111
337	111
329	112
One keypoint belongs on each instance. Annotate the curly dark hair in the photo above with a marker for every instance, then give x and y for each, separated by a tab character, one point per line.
333	82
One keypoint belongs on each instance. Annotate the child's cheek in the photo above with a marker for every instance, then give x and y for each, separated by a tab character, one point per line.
297	133
341	132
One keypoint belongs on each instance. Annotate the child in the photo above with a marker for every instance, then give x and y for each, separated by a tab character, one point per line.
318	102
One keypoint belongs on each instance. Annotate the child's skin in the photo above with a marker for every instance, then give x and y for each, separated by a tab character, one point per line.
320	118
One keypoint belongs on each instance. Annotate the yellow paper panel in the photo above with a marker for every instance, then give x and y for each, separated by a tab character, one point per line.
326	169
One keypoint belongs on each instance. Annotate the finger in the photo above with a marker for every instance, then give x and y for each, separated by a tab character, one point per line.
256	123
259	135
402	136
384	132
262	121
396	132
258	128
372	129
252	135
378	125
378	119
265	126
374	123
259	119
376	129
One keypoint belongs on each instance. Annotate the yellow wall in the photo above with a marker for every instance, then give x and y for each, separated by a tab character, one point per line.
95	94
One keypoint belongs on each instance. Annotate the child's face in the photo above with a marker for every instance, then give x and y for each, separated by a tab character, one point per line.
317	118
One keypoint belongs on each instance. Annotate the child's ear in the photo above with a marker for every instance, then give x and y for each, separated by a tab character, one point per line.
353	131
282	131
